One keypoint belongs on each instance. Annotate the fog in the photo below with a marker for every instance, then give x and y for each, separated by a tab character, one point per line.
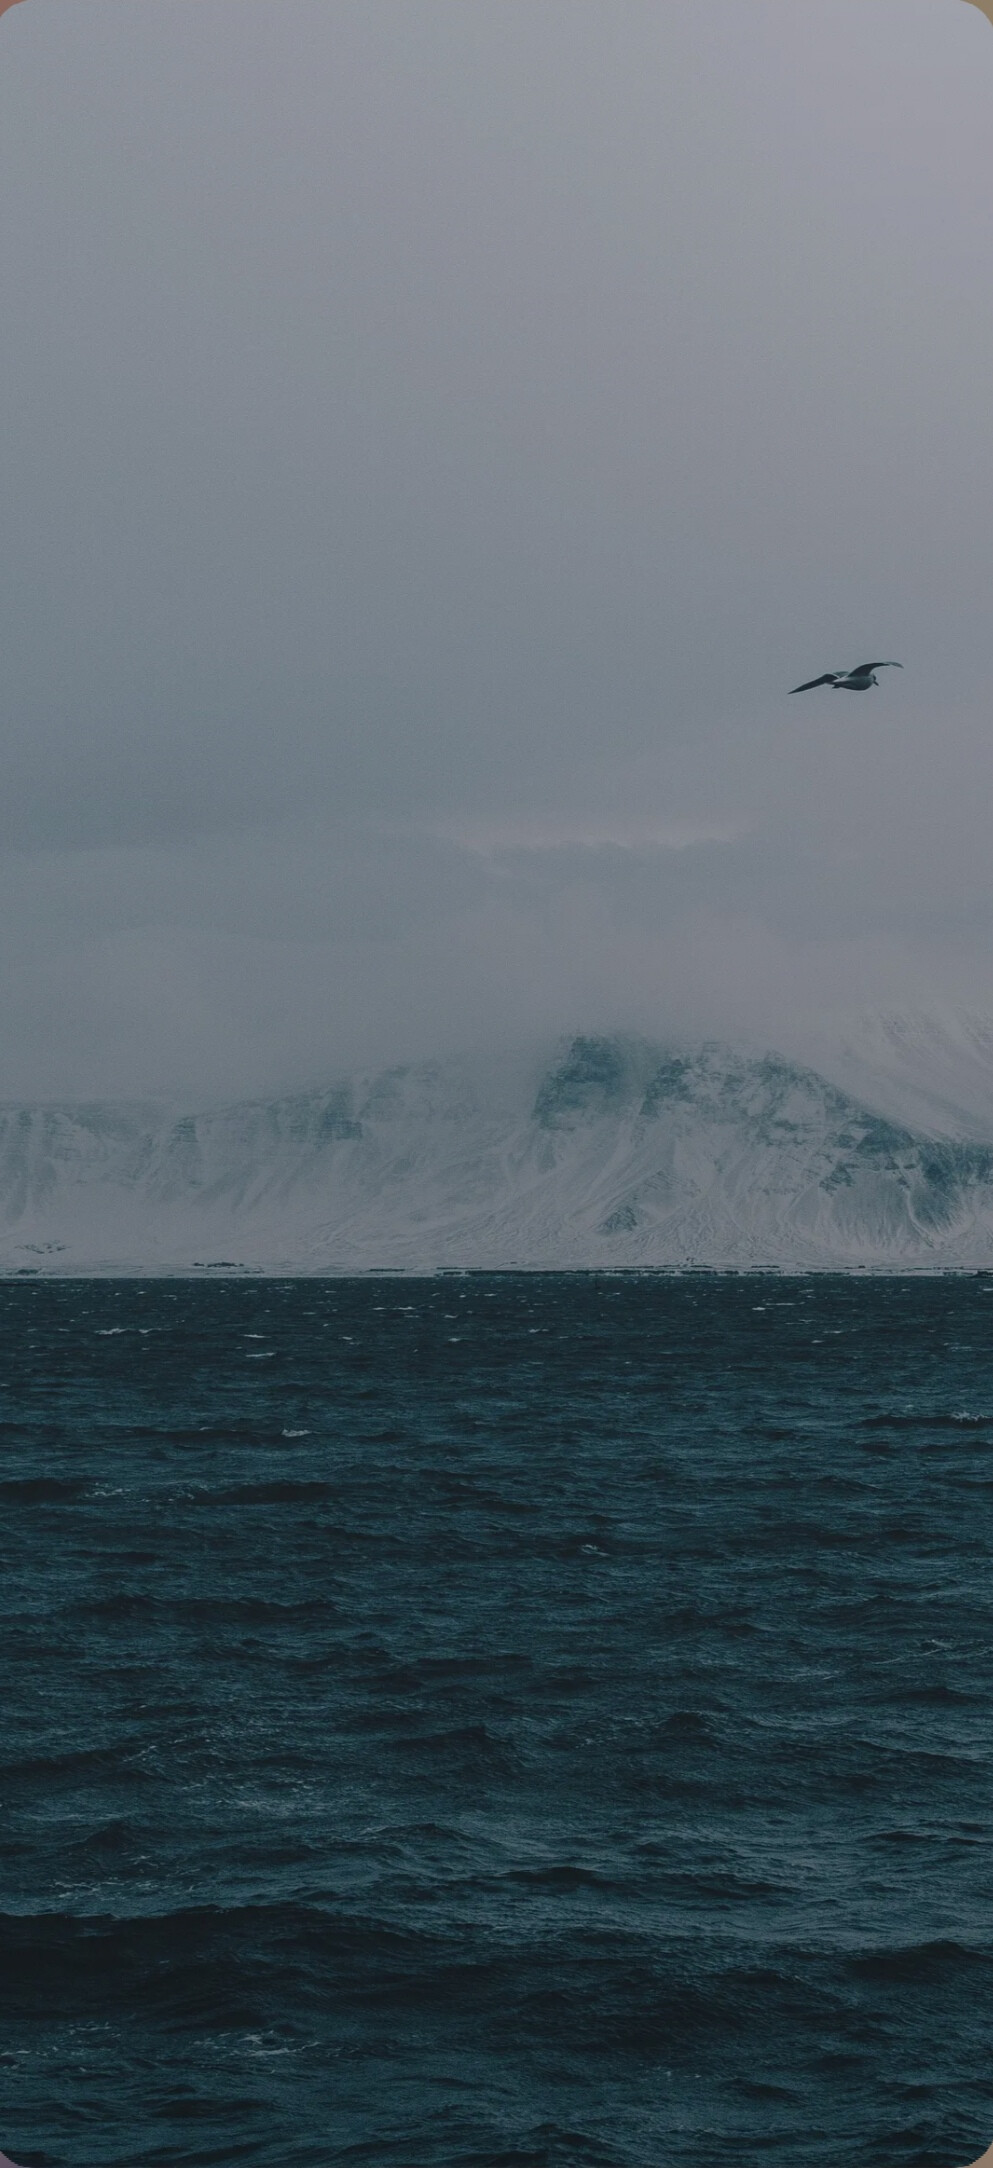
436	435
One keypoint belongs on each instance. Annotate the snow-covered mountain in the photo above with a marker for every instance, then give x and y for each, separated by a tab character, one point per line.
619	1154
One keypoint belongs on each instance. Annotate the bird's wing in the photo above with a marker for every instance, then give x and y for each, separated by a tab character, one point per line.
865	669
830	678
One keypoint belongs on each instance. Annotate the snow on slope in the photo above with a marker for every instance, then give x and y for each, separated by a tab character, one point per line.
624	1154
931	1070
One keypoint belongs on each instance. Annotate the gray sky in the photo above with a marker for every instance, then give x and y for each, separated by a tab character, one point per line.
436	434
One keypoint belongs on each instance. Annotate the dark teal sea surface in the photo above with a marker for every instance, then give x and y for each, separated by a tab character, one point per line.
497	1722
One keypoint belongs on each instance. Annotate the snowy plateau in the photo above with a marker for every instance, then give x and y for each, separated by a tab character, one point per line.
615	1154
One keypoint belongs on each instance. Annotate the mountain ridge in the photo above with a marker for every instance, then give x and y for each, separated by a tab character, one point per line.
626	1153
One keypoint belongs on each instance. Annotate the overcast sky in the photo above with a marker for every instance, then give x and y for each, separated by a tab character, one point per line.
435	436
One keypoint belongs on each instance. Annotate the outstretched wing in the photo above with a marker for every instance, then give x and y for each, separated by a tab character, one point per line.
865	669
830	678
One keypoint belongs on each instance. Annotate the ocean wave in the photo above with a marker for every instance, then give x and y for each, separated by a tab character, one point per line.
42	1490
919	1964
276	1493
922	1419
182	1609
76	1764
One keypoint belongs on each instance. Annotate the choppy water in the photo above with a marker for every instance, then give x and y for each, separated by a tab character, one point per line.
497	1721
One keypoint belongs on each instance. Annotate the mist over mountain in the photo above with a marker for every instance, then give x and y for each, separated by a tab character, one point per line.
932	1069
617	1152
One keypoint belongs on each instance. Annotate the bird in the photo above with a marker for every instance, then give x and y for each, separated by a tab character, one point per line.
849	681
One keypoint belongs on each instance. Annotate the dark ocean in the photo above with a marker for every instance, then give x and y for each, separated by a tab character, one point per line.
497	1720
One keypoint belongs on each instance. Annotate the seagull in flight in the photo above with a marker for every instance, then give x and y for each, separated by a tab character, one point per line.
849	681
